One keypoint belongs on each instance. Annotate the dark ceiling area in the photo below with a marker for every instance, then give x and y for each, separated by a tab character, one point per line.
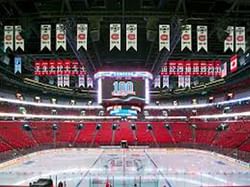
147	14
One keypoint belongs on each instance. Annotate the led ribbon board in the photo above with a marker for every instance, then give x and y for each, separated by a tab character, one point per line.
123	87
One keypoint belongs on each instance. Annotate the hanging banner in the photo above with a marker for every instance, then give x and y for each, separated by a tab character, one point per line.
67	67
19	41
201	37
89	82
60	80
81	81
217	68
82	36
224	70
52	67
187	81
181	81
60	36
229	41
233	63
157	81
131	36
210	68
46	37
66	80
164	37
165	81
186	37
240	39
18	65
37	67
8	37
203	68
74	68
180	67
188	67
115	36
44	67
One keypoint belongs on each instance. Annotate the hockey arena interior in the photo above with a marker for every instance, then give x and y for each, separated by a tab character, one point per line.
122	93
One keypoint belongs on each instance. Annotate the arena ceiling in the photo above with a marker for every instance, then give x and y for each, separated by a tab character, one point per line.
217	14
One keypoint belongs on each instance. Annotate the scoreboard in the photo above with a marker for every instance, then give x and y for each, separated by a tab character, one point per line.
123	87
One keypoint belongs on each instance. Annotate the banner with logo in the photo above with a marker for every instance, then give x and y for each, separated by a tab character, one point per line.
66	80
18	65
19	41
115	36
224	70
201	37
164	37
187	81
186	37
157	81
82	36
181	81
8	37
240	41
229	41
46	37
165	81
234	63
131	36
90	83
60	80
60	36
81	81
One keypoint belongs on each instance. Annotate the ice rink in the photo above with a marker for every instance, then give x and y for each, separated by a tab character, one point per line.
125	167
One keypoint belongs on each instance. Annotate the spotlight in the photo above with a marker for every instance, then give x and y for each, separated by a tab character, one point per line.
133	126
149	126
114	127
222	127
98	126
80	126
194	126
27	127
167	126
54	127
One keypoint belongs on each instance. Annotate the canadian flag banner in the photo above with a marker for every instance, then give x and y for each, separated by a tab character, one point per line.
186	37
165	81
181	81
187	81
115	36
19	41
90	83
82	36
234	63
46	37
157	81
224	70
164	37
59	80
8	37
66	80
240	38
131	36
81	80
229	41
201	37
60	36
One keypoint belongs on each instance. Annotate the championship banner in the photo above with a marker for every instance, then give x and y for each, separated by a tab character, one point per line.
67	67
131	36
90	83
188	67
196	68
172	68
217	68
18	65
19	41
74	68
60	36
8	37
46	37
180	67
203	68
224	70
157	81
181	81
82	36
37	68
52	67
59	81
165	81
44	67
229	41
234	63
240	39
187	81
66	81
186	37
164	37
115	36
81	81
59	67
201	37
210	68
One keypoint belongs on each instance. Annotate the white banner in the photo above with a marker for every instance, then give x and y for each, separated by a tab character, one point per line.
8	37
187	81
240	39
66	80
201	37
46	37
115	36
19	41
60	80
186	37
60	36
181	81
165	81
82	36
81	81
131	36
157	81
229	41
164	37
90	83
224	70
18	65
